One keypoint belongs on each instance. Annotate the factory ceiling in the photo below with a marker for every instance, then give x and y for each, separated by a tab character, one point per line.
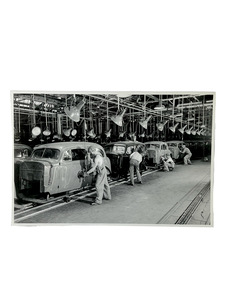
193	109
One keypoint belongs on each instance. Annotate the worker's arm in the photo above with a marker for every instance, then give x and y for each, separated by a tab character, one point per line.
96	163
92	169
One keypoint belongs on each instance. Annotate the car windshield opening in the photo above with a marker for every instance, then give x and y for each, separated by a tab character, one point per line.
119	149
154	146
46	153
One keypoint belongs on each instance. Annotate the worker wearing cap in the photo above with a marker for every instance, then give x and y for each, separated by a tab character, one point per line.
187	154
101	184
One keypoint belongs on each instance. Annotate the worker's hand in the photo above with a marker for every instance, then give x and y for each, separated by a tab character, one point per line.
82	174
85	173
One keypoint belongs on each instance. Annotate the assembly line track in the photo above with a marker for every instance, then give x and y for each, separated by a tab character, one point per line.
31	210
189	211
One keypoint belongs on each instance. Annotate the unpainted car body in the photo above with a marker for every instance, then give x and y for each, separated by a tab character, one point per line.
154	151
119	155
57	168
21	152
175	147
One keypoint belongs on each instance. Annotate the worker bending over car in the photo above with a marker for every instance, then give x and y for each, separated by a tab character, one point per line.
187	154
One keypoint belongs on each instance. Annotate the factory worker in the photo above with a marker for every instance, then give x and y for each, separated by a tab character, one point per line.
187	154
101	185
168	162
135	160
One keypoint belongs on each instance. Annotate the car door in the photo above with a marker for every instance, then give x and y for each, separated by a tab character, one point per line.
163	149
66	171
80	163
72	166
126	158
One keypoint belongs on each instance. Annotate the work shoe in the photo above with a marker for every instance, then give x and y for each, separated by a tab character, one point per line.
96	202
140	182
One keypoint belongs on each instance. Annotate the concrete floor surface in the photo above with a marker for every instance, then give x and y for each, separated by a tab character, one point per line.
141	204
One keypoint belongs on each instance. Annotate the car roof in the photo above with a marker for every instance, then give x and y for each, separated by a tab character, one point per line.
21	146
128	143
155	142
175	141
66	145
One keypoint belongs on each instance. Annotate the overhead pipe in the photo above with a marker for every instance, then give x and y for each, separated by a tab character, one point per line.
126	105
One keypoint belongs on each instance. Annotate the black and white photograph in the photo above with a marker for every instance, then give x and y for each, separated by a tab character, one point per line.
112	150
113	158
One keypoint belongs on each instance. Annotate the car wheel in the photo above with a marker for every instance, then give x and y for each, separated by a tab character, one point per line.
115	176
46	196
20	201
66	199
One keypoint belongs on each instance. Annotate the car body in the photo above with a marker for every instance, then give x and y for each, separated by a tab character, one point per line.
154	151
175	147
21	152
119	155
57	168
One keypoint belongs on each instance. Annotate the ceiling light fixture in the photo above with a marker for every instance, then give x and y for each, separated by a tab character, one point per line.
173	128
73	112
161	125
123	95
188	131
91	133
145	122
118	119
160	106
182	129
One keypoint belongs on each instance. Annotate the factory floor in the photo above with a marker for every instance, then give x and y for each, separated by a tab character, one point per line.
161	200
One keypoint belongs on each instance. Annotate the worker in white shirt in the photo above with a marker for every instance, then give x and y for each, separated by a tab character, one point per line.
187	154
135	160
168	162
101	184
